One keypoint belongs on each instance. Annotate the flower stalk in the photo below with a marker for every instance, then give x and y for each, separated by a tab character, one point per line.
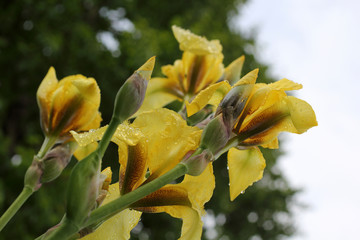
69	228
15	206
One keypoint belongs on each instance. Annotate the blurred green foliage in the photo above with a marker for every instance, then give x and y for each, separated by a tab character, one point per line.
108	40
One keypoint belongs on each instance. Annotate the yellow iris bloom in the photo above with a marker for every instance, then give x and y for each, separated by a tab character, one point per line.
201	65
69	104
156	141
263	111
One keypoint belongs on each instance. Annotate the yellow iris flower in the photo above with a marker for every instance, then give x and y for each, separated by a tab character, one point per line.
69	104
261	112
201	66
156	141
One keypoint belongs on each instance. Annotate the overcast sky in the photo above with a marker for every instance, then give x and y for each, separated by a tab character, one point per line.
317	43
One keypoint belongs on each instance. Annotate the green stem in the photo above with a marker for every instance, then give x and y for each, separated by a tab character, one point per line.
27	191
104	143
66	230
126	200
230	144
15	206
49	141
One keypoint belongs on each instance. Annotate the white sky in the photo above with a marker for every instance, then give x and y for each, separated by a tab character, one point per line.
317	43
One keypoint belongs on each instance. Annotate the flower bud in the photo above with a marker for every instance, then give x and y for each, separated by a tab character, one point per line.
69	104
197	163
55	161
131	95
215	135
234	103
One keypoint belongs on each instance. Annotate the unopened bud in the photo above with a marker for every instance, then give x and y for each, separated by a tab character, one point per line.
131	95
234	103
55	161
197	163
215	135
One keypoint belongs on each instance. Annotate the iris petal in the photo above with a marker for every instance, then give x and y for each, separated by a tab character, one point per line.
194	43
170	138
245	168
204	97
159	93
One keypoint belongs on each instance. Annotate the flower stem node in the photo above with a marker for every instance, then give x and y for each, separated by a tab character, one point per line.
131	95
197	163
33	175
69	104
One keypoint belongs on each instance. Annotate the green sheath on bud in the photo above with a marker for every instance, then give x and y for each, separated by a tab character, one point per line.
83	189
131	95
55	161
215	135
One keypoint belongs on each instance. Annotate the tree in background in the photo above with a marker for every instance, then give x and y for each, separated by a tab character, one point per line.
107	40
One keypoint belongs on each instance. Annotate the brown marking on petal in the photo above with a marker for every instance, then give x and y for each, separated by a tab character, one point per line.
195	72
165	196
64	119
135	168
261	124
210	72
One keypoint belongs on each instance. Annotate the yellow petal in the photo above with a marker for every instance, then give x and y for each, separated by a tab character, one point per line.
285	85
44	96
290	114
302	115
233	71
107	173
124	133
47	87
274	144
73	104
198	191
93	123
146	69
249	78
263	97
200	188
194	43
170	138
132	171
160	92
84	151
119	226
204	97
245	168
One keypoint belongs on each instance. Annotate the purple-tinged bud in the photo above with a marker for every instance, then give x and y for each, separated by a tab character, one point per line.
55	161
216	134
131	95
197	163
234	103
